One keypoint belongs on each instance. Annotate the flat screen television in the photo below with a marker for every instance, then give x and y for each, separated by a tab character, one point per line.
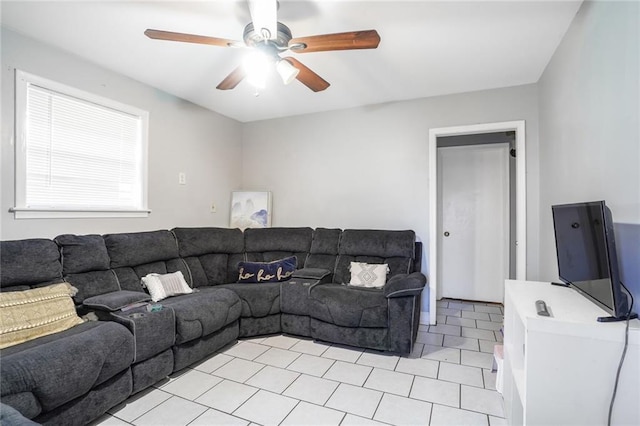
587	258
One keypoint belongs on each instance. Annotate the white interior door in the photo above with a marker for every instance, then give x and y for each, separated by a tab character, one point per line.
473	249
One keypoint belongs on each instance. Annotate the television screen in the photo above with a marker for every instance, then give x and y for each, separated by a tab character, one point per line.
586	253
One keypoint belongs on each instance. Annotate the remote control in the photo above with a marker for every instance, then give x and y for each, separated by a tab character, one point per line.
541	307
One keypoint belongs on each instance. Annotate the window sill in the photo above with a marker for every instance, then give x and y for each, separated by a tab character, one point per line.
29	213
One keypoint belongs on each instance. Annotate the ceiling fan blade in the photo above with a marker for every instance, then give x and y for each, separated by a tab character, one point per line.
307	77
368	39
264	15
232	80
188	38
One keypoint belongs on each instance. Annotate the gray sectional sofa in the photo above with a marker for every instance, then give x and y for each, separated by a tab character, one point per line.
74	376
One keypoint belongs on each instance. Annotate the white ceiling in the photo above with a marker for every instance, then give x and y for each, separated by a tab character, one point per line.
427	47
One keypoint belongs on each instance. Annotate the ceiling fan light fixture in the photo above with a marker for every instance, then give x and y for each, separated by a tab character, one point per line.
287	72
257	66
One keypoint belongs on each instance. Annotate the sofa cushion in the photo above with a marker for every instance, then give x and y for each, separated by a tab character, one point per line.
213	269
85	264
139	248
204	312
212	254
258	300
395	248
266	272
324	249
27	315
29	262
348	306
201	241
161	286
82	253
52	370
116	300
95	283
136	255
278	239
378	243
269	244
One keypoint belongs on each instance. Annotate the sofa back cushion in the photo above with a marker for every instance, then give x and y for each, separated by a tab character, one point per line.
395	248
86	265
269	244
139	248
29	263
82	253
212	254
134	255
324	249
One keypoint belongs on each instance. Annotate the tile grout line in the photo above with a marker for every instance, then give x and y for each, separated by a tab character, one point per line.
365	380
290	411
184	399
412	382
321	406
136	418
431	413
292	382
378	405
330	396
466	409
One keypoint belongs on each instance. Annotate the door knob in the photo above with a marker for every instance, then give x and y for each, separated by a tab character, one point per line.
446	233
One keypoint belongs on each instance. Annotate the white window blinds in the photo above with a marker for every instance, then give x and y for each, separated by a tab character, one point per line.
79	152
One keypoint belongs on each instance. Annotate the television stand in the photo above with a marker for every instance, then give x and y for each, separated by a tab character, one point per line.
561	370
617	319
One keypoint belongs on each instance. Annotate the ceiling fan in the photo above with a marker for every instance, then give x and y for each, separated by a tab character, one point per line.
268	39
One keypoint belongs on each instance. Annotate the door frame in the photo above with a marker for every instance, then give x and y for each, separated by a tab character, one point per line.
521	197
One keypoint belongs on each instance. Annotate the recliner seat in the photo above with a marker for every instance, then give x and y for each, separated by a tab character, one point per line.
199	316
368	317
70	377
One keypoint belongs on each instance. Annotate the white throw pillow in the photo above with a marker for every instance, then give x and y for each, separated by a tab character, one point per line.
161	286
368	275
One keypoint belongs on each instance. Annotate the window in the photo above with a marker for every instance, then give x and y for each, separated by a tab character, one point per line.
77	154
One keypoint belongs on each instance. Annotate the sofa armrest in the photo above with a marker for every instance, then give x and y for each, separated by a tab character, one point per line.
405	285
319	275
11	416
115	300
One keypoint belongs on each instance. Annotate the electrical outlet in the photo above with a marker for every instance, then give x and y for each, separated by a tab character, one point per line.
182	178
214	209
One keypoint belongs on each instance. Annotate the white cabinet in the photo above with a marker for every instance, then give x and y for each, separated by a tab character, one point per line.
560	370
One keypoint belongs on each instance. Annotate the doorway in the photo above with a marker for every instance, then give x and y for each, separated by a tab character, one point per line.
435	175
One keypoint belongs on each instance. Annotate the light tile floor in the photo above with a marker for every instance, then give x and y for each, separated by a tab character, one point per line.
285	380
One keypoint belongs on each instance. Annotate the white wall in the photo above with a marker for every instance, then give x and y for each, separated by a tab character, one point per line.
183	137
368	167
589	120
